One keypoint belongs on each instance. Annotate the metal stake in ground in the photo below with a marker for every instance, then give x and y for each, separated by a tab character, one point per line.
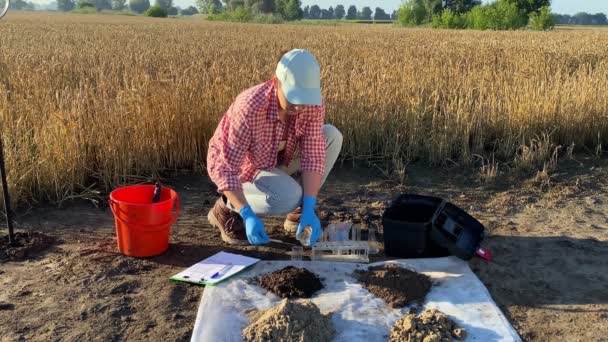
7	199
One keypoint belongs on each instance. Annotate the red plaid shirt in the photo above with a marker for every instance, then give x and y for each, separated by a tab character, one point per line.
247	138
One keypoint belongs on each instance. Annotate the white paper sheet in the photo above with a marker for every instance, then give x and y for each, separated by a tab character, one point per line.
223	264
357	314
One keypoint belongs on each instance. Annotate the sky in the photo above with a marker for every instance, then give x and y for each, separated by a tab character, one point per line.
558	6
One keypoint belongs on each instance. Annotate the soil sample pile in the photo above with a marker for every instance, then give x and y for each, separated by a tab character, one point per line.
291	321
396	285
27	244
291	282
429	326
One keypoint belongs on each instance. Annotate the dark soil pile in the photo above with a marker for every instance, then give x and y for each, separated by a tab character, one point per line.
397	286
27	244
291	282
290	321
429	326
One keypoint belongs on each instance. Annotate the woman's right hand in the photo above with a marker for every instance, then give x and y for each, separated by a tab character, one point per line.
254	227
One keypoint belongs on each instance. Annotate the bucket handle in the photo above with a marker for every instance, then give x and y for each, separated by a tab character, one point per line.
437	212
176	209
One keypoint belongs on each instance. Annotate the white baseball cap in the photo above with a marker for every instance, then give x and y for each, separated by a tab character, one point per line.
300	76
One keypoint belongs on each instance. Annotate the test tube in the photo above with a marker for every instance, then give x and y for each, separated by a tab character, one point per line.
305	236
296	253
356	236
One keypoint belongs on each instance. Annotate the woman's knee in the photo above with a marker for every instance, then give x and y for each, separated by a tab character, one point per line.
283	194
332	134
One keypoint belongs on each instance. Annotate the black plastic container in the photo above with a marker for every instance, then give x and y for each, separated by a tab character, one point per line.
457	231
407	225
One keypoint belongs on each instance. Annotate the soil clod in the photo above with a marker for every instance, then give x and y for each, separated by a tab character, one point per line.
126	287
429	326
290	321
6	306
396	285
26	244
291	282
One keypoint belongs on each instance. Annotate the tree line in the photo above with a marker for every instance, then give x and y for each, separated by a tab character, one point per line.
500	14
161	8
246	10
581	18
339	12
22	5
472	14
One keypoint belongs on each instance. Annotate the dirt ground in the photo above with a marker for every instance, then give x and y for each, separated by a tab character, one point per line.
548	275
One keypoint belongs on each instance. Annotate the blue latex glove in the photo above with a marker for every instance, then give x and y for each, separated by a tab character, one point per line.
309	219
254	227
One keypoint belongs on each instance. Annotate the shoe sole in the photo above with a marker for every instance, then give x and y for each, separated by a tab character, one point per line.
227	239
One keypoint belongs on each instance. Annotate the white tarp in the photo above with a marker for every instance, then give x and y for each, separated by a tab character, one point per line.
358	315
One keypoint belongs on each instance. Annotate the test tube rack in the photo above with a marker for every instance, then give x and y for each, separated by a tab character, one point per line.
341	242
341	251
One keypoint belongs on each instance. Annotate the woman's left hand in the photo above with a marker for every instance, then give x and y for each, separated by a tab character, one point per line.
309	219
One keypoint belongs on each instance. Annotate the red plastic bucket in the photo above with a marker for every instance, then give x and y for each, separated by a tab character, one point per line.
143	227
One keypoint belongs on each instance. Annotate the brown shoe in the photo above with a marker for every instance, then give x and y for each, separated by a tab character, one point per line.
230	223
292	221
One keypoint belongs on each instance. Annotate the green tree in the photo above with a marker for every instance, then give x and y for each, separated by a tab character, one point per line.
501	15
164	4
315	12
508	16
279	7
293	10
412	12
449	20
599	19
254	6
351	14
331	13
191	10
119	5
581	18
231	5
306	12
85	4
21	5
260	6
156	11
101	5
460	6
139	6
543	20
529	6
268	6
216	7
339	12
432	7
65	5
379	14
241	14
479	18
209	6
366	13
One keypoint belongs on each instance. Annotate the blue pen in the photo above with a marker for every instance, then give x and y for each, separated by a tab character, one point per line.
222	271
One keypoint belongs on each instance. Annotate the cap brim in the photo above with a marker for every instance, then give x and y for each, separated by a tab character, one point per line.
304	96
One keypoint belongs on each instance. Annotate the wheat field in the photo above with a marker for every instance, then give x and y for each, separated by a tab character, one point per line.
90	102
